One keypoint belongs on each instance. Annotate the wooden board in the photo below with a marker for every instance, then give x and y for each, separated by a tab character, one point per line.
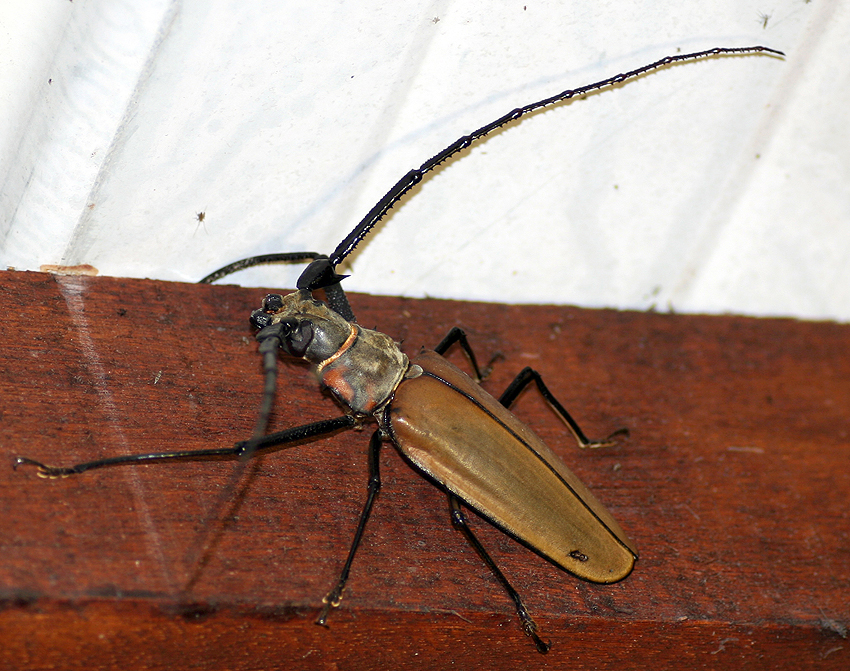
734	485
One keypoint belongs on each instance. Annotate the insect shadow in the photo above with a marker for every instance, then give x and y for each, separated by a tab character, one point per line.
443	424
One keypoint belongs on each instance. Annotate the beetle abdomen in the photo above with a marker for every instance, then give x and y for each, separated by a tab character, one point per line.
463	438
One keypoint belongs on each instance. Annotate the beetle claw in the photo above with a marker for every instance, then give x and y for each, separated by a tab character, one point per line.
530	628
44	471
542	647
332	600
610	441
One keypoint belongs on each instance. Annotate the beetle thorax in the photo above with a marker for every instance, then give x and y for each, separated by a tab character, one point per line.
360	366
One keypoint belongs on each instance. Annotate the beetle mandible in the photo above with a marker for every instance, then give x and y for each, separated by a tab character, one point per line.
466	442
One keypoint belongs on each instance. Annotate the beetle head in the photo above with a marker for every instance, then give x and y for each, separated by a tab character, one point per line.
308	328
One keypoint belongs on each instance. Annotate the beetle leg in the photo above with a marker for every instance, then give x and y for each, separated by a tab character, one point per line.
458	335
529	375
296	434
528	624
333	598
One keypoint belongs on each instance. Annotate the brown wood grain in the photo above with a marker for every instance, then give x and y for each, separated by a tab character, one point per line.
734	485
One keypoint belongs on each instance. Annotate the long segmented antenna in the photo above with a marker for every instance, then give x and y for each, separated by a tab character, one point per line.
413	177
241	264
322	275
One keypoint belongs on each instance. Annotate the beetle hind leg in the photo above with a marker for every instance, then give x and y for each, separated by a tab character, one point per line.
528	624
529	375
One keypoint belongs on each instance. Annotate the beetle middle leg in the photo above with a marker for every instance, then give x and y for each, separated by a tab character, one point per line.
528	624
334	597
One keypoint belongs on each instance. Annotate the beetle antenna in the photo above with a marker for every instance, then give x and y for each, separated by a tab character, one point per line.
262	259
415	176
270	339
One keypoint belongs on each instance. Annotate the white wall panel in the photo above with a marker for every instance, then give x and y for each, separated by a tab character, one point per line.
718	186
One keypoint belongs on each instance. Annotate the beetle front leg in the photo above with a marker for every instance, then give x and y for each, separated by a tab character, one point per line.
528	624
334	597
243	449
529	375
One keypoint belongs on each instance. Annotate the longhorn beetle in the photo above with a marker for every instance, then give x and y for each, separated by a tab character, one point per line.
460	438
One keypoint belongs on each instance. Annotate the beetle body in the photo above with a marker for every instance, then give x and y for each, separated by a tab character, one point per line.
459	436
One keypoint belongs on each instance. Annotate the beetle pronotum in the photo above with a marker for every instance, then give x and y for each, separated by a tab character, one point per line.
463	440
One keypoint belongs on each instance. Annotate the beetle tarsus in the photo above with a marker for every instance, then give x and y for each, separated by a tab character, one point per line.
529	626
610	441
332	600
485	372
542	646
624	432
44	471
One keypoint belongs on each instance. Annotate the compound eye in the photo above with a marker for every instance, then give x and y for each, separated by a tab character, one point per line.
272	303
260	319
